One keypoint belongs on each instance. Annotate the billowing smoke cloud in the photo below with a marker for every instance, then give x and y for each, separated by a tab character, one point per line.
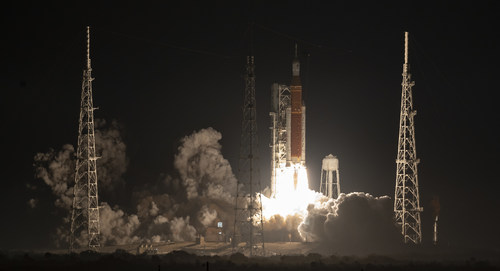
118	227
203	169
354	223
283	229
183	205
113	160
56	169
181	230
200	196
207	216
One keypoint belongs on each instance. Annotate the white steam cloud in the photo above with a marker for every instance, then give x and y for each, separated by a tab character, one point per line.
56	169
354	223
203	169
201	195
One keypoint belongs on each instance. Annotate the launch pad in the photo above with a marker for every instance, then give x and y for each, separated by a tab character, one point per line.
207	248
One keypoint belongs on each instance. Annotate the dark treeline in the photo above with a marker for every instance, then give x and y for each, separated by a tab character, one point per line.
180	260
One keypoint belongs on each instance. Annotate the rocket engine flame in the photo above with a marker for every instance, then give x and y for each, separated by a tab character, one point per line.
292	195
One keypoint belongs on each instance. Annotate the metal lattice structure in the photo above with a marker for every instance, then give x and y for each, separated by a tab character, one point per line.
406	197
248	235
280	104
330	177
85	213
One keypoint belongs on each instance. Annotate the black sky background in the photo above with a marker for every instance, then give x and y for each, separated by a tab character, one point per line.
165	70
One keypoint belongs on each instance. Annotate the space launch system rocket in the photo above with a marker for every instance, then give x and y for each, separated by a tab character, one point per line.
288	130
297	118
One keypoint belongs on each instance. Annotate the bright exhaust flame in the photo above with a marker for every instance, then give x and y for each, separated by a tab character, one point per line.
292	195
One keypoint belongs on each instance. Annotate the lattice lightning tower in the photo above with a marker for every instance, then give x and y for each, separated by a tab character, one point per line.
85	227
248	222
406	197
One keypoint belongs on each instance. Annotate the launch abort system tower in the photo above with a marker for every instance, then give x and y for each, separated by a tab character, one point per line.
406	197
85	214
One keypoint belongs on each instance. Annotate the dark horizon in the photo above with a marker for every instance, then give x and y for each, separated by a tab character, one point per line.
163	72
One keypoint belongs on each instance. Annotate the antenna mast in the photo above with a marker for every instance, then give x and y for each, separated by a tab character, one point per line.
85	228
406	197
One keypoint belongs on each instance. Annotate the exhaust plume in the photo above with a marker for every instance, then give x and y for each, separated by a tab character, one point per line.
353	223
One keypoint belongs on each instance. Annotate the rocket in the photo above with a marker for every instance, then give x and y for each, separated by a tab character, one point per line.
288	132
297	117
296	121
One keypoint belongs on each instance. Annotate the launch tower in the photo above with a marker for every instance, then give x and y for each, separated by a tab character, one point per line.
248	221
406	197
85	213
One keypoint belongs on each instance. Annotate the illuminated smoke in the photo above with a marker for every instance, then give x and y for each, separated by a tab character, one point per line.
200	194
198	198
32	203
117	227
203	169
354	223
286	210
207	216
113	160
278	228
181	230
56	169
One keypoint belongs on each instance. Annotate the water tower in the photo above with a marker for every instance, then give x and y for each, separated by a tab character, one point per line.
330	180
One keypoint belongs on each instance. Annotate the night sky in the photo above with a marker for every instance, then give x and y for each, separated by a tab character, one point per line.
164	71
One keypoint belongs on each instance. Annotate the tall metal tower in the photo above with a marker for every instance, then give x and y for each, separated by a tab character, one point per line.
330	177
406	197
280	109
248	221
85	214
